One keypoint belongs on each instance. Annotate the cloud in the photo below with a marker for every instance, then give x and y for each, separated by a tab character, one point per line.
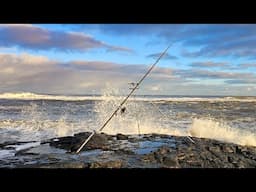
134	71
221	40
25	58
248	65
167	56
33	73
129	29
37	38
241	81
210	64
205	74
236	40
155	88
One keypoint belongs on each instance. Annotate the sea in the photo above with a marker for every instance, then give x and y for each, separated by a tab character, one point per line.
38	117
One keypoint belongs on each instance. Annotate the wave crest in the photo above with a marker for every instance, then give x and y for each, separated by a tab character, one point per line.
208	128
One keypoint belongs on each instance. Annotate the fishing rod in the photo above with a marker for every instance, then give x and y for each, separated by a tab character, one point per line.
123	102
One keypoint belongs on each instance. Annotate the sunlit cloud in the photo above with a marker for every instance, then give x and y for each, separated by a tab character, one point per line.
213	40
209	64
166	56
208	59
248	65
37	38
33	73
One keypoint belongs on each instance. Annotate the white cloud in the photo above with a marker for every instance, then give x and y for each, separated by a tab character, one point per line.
155	88
38	38
8	70
35	73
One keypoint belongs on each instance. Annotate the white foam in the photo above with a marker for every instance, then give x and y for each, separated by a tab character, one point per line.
208	128
37	125
6	153
25	146
34	96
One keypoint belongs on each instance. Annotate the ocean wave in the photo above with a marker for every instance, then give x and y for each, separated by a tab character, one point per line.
34	96
209	128
152	98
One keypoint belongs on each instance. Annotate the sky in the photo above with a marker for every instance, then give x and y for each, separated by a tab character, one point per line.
78	59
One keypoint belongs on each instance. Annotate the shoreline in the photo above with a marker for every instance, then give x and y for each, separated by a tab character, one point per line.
128	151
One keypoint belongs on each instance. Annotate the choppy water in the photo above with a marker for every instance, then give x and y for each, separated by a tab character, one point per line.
32	117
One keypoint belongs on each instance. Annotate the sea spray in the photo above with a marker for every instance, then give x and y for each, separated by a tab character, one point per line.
136	114
219	130
42	119
35	123
160	99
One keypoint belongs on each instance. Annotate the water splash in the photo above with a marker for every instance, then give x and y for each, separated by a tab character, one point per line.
39	121
35	123
160	99
209	128
137	118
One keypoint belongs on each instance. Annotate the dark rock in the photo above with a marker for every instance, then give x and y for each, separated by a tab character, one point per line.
240	149
171	161
72	143
133	140
82	135
163	150
98	141
215	149
158	157
161	153
121	137
24	152
195	163
76	165
233	159
227	149
181	156
204	153
66	142
125	151
149	158
109	164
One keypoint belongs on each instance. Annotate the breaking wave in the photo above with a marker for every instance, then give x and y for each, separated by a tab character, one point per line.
33	96
208	128
36	121
154	98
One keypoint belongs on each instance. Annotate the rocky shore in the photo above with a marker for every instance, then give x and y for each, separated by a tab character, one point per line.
127	151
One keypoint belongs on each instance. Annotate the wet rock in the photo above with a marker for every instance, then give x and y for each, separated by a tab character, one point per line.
215	149
133	140
65	165
109	164
228	149
171	161
24	152
121	137
181	156
82	135
98	141
161	153
158	157
204	153
195	163
72	143
125	152
163	150
149	158
240	149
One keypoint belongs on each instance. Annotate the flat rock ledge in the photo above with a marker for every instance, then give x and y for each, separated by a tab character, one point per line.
133	151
